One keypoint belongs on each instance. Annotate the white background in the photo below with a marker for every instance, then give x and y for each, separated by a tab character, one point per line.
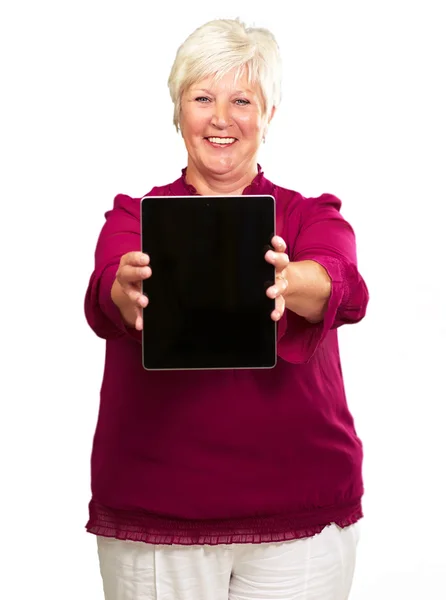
85	115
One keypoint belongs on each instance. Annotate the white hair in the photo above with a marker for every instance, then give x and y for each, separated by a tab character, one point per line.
218	47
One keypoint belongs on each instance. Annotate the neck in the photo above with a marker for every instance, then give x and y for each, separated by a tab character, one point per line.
229	184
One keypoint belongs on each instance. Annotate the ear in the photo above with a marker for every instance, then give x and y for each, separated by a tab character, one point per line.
271	115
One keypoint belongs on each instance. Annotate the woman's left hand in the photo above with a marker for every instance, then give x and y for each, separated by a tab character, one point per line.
280	260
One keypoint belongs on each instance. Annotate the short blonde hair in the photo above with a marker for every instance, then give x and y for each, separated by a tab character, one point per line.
218	47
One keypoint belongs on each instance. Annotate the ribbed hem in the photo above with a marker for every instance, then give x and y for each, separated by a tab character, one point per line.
139	526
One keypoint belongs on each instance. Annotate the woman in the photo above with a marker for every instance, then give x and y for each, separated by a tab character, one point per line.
229	484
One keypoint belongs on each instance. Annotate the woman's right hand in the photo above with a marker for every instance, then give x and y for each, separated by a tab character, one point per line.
126	290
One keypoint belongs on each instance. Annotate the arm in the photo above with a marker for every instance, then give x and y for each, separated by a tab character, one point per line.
119	235
308	291
325	288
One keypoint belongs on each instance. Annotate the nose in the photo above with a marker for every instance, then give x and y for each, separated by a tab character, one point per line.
221	116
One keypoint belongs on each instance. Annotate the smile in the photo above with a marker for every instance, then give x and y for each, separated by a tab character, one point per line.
221	142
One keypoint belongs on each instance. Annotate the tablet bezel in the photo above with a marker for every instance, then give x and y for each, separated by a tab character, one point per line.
206	200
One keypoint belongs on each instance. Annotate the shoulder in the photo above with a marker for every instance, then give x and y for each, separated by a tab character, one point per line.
130	206
292	200
296	210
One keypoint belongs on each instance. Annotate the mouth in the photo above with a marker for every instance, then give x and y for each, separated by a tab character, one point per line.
221	142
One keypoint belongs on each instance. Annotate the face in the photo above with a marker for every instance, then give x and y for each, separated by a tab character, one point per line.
222	124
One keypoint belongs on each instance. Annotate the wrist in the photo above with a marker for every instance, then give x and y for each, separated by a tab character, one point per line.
309	289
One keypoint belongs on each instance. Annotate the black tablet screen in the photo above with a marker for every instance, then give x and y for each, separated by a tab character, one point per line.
207	303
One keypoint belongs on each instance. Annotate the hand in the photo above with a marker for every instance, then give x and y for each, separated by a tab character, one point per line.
126	290
280	260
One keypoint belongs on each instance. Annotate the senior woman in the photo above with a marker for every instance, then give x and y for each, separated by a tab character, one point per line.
217	485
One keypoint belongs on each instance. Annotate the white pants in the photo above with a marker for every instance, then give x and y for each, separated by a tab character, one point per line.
315	568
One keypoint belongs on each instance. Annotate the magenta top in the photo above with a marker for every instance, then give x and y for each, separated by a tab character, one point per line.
211	457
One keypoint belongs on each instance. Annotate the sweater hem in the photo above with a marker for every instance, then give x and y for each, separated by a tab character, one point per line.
139	526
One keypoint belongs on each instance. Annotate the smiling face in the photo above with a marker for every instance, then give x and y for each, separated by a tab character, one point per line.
223	124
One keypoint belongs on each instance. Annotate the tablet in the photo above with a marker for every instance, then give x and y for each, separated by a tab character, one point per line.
208	307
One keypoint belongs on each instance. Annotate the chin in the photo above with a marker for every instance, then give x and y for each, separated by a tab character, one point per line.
220	168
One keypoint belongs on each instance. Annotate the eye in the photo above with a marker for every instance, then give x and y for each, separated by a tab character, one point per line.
243	101
202	99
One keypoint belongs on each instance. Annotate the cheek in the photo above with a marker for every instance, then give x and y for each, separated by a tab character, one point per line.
189	133
189	121
252	125
195	127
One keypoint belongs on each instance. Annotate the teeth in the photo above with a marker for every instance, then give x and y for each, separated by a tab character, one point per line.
215	140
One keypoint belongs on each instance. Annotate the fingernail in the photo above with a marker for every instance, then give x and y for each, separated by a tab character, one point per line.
143	259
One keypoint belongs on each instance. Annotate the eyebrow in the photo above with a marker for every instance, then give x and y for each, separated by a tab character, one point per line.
211	93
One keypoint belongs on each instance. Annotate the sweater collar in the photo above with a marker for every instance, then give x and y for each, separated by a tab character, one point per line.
258	185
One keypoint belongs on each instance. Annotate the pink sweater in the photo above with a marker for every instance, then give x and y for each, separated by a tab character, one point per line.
211	457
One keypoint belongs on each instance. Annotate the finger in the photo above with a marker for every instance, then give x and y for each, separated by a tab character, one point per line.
135	258
128	274
279	259
137	297
135	294
280	305
272	292
282	261
278	244
132	293
277	313
278	289
138	321
281	284
143	301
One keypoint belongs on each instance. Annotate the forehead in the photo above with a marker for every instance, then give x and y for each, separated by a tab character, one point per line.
230	82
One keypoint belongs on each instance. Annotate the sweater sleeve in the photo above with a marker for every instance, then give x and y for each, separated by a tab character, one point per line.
318	232
120	234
